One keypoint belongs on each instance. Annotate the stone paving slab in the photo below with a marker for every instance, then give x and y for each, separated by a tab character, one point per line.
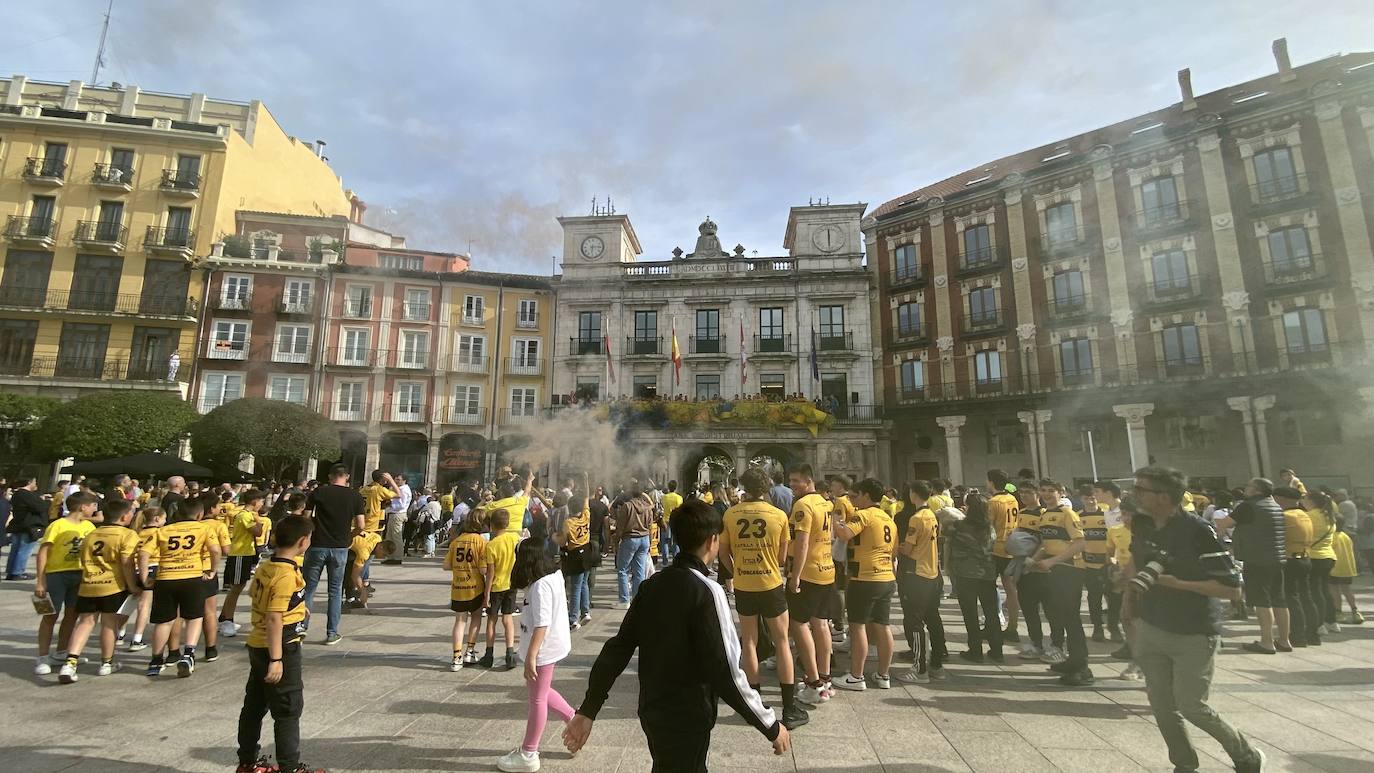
384	700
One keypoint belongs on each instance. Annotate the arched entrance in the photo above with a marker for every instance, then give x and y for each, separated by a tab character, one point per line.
709	463
353	454
773	459
462	457
406	453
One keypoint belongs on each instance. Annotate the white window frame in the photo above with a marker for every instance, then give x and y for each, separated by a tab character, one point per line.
410	356
522	363
206	404
349	413
416	309
527	314
240	299
344	354
524	403
291	353
354	311
296	296
468	362
227	348
289	378
474	309
400	401
466	409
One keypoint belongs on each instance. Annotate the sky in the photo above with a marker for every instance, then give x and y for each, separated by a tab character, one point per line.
476	124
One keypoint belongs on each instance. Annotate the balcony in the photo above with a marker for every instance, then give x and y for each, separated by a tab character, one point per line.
464	362
1069	307
986	321
236	300
911	394
906	276
88	368
980	261
578	347
31	231
154	369
177	242
45	171
712	345
477	319
1164	218
293	358
774	345
162	305
415	312
1184	367
178	183
301	304
39	299
405	411
1302	353
408	359
1065	241
356	309
1164	291
988	386
226	349
527	322
1279	191
520	416
1077	376
101	235
858	414
1298	270
351	357
908	334
836	341
524	366
347	411
113	178
639	346
466	415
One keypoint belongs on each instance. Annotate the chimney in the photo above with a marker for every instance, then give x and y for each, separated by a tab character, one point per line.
1281	59
357	209
1185	85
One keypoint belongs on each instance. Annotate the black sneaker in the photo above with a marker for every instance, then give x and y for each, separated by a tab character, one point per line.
969	656
211	654
486	661
1098	634
795	717
907	656
1009	635
186	665
996	656
1065	667
510	661
261	765
1116	637
1080	678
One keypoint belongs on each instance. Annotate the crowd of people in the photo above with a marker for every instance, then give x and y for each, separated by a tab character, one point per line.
812	566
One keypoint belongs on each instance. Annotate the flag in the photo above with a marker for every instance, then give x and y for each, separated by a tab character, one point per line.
815	364
743	356
610	366
676	357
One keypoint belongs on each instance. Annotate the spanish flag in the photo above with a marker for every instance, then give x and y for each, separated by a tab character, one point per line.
676	357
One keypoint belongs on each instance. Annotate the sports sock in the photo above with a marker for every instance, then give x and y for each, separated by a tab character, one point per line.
789	695
188	651
756	687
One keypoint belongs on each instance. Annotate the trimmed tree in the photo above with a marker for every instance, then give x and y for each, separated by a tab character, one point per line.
24	412
278	435
109	424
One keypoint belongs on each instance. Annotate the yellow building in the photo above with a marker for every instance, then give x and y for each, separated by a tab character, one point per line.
107	198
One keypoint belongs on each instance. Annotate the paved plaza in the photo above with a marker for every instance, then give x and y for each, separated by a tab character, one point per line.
384	700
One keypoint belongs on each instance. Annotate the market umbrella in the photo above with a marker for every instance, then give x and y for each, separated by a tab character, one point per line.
152	464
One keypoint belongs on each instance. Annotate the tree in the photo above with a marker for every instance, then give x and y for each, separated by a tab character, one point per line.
24	412
278	435
108	424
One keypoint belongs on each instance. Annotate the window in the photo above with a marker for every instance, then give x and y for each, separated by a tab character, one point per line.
109	226
81	350
1276	176
1068	291
1061	225
358	301
1305	331
349	406
526	356
832	322
474	309
1290	250
982	306
409	402
467	404
229	340
295	297
977	246
178	227
1190	433
216	389
95	282
987	369
122	162
1171	275
646	332
54	159
25	281
235	290
17	337
1006	437
417	304
1310	427
587	387
589	332
471	350
1182	347
646	387
771	325
708	331
906	263
293	344
522	401
707	386
414	348
909	320
913	379
290	389
41	212
165	288
357	343
528	314
1076	360
188	171
773	386
401	262
1160	199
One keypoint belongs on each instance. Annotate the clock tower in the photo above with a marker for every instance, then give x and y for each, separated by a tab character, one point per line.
596	244
824	231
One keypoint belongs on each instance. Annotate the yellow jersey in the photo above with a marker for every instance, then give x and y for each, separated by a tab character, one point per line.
671	501
577	529
1119	543
756	535
871	546
921	545
1297	532
1345	556
1323	529
811	516
1002	513
653	538
360	549
147	543
465	559
178	549
1059	528
225	511
65	539
242	541
500	556
939	501
104	553
374	496
708	498
446	503
514	506
1094	527
277	587
216	533
265	538
55	506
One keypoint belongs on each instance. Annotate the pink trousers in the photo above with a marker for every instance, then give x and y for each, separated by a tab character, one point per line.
543	699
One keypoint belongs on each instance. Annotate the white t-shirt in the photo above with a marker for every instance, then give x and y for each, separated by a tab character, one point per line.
546	606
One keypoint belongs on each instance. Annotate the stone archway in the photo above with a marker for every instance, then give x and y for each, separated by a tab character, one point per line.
353	453
406	453
721	465
773	459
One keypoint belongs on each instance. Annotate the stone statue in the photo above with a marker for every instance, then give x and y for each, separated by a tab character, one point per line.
703	473
708	246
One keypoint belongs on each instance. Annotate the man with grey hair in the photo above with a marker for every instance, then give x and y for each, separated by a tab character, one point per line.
1259	543
1349	511
176	494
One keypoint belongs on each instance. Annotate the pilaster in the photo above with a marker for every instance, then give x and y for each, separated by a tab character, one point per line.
953	427
1349	207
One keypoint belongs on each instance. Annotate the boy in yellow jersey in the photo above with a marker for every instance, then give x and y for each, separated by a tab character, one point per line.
227	508
919	586
841	553
107	567
754	547
1294	620
575	554
364	546
376	495
497	561
245	528
1094	523
181	577
1343	576
139	607
217	532
1002	512
1122	568
1031	586
59	574
275	682
464	560
810	582
873	537
1061	547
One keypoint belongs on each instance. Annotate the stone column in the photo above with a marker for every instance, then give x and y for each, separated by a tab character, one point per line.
1247	417
1262	404
1020	262
868	453
1349	207
952	425
1237	305
741	458
1042	417
1134	414
309	467
374	455
1028	418
1223	224
432	461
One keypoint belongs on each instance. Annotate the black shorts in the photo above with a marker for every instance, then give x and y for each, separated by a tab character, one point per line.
107	605
869	601
1001	564
183	598
761	603
502	602
810	602
1264	586
210	587
239	569
473	605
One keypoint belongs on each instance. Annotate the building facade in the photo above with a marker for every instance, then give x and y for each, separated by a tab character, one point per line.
1192	286
775	327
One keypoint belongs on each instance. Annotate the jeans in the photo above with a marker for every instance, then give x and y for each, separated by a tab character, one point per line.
21	548
429	537
973	592
285	699
631	565
579	597
1178	677
316	559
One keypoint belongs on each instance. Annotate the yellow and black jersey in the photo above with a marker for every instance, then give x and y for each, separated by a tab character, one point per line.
265	538
1029	518
242	541
653	538
147	543
1119	542
360	549
278	587
577	529
1002	512
225	511
374	496
755	534
1297	532
104	553
215	533
811	516
1058	528
465	561
178	549
1094	527
920	550
872	544
500	556
64	539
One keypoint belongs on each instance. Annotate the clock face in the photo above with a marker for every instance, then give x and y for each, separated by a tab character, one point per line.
592	247
828	238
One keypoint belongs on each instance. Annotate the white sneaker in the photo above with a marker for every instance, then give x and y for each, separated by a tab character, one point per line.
851	683
107	668
1333	627
42	667
227	628
1053	654
586	618
67	674
911	676
811	696
771	663
574	625
519	761
828	691
882	682
616	605
1132	673
137	645
457	664
1030	652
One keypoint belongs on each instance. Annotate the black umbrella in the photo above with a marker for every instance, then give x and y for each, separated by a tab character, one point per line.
152	464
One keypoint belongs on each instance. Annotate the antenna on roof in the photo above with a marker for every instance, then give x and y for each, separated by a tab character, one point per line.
100	51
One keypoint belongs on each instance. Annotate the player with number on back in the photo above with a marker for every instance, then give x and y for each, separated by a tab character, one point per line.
179	590
871	535
465	560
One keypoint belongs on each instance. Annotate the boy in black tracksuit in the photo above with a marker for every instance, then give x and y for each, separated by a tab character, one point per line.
688	656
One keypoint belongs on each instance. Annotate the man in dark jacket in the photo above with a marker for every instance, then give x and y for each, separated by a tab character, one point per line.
28	519
688	657
1258	542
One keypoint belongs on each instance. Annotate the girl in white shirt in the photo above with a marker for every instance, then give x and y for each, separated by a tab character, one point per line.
544	640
